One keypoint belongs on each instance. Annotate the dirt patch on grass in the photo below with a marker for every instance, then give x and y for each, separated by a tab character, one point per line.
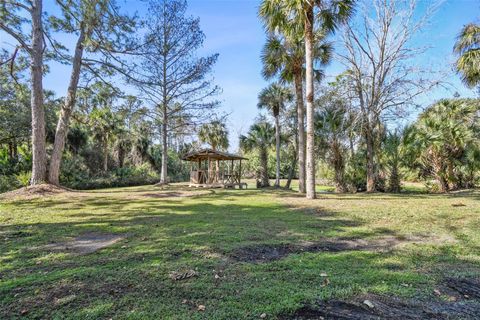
382	307
86	243
467	288
270	252
69	294
36	191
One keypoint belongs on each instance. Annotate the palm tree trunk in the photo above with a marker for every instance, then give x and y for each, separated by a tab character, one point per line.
67	108
310	168
339	167
264	167
277	147
39	153
105	155
291	172
300	130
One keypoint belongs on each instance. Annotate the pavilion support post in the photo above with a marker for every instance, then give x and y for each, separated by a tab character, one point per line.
240	172
209	170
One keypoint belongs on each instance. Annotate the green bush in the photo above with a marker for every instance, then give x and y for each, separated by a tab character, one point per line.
8	183
24	178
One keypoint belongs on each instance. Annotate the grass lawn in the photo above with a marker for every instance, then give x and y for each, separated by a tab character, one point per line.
245	247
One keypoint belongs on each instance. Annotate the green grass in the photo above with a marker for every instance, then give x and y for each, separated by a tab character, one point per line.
130	280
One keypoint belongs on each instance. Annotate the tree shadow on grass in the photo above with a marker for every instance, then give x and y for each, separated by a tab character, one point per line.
171	234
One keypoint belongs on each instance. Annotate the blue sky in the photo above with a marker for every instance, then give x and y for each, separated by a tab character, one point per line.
233	30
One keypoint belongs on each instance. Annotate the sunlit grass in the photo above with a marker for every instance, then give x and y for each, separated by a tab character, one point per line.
201	229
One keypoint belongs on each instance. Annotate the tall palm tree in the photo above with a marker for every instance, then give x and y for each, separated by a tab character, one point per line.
273	98
284	56
468	49
289	16
261	136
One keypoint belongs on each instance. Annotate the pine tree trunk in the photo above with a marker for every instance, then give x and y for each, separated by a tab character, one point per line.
39	153
300	130
163	173
65	114
277	147
310	158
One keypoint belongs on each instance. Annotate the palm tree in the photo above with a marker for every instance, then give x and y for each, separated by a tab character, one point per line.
391	148
273	98
215	134
103	125
440	138
261	136
332	125
468	49
284	57
289	16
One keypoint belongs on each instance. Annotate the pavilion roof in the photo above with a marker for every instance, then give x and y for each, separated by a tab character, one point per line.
204	154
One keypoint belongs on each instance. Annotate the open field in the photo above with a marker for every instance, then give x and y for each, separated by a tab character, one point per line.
175	253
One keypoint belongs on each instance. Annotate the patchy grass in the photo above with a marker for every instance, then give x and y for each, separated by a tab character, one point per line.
198	234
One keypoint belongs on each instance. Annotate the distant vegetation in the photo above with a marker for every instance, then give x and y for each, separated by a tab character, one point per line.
134	105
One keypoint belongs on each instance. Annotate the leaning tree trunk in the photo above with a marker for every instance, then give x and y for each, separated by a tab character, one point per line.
39	153
310	168
277	147
65	114
291	172
300	130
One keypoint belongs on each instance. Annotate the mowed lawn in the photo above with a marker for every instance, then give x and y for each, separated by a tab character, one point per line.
240	251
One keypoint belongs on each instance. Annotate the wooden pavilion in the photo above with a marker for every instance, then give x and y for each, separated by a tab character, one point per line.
215	169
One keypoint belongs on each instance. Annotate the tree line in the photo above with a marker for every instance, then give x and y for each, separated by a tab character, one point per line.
175	93
352	123
346	129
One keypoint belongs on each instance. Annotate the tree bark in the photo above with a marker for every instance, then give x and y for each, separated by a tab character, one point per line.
66	112
105	154
163	173
277	147
39	153
310	157
15	149
291	172
10	150
339	167
300	130
264	167
371	177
